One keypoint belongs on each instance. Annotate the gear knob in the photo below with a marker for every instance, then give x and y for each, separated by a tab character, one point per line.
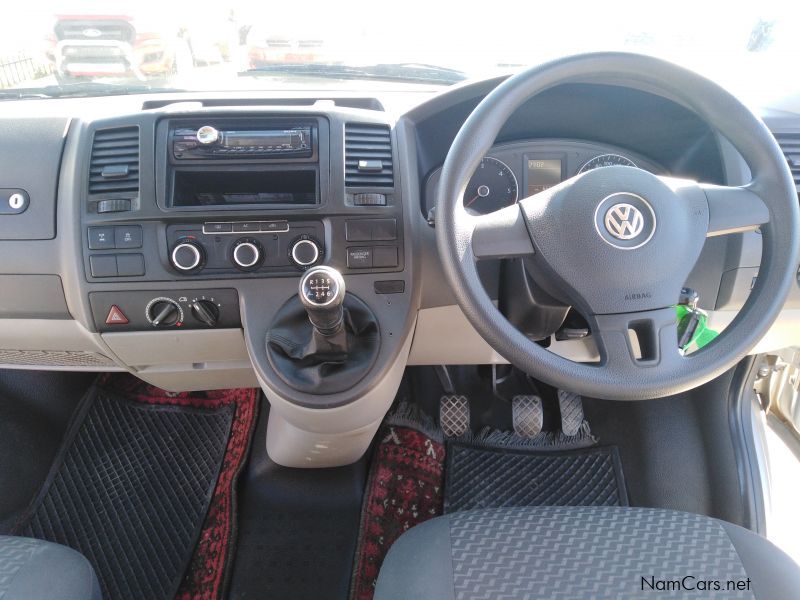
322	294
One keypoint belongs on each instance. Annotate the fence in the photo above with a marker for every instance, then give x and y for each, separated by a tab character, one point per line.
22	67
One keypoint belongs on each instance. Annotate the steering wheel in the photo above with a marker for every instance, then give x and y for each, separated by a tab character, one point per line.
618	243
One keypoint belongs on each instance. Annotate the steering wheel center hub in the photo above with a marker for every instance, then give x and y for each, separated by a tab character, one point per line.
625	220
617	239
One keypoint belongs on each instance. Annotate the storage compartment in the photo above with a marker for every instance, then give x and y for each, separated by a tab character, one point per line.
197	188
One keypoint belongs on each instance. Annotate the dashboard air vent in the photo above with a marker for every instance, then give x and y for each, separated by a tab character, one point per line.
368	156
114	165
790	144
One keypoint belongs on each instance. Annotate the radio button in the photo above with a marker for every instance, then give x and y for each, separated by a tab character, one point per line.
207	135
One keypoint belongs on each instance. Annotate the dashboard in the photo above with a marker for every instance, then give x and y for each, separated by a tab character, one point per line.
166	234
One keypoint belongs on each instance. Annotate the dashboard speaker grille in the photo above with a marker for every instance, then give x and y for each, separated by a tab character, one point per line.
114	165
54	358
368	156
790	145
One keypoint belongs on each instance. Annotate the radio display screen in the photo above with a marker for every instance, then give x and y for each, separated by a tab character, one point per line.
240	139
543	173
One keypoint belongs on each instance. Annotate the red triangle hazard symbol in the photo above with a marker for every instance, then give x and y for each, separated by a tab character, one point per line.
116	316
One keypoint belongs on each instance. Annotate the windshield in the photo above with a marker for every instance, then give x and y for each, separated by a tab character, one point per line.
74	47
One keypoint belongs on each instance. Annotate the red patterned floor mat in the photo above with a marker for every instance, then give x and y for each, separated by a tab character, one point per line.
404	489
207	575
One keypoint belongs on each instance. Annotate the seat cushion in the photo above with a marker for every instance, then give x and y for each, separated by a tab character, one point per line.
583	552
37	570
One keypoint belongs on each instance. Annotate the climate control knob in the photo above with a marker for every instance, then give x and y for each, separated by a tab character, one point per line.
164	312
206	312
247	254
187	255
304	252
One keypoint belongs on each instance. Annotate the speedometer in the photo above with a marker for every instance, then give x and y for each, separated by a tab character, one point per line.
493	186
606	160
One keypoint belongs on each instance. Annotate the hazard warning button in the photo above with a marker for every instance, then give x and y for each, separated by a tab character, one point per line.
116	316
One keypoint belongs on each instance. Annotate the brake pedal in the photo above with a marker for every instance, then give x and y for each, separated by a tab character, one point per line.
454	415
571	407
527	415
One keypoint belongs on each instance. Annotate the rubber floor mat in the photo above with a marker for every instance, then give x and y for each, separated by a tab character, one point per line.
488	477
132	487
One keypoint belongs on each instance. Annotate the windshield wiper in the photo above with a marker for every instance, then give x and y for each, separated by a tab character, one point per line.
82	90
411	72
22	94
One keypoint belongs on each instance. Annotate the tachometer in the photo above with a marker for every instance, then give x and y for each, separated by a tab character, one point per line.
493	186
607	160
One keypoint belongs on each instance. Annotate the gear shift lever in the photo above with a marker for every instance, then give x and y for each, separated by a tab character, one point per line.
322	295
323	341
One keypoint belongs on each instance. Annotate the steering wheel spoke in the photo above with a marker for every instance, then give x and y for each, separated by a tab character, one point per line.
733	209
501	234
638	340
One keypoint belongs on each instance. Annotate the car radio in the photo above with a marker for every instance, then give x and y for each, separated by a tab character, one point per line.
245	161
209	142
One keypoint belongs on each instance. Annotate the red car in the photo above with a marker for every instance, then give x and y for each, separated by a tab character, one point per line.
265	48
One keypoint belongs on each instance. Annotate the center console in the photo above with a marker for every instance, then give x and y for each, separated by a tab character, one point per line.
241	196
197	226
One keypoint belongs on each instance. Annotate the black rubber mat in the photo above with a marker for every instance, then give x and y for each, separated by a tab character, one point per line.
488	477
297	529
130	489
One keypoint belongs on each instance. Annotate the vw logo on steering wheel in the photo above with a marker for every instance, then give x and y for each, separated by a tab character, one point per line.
624	221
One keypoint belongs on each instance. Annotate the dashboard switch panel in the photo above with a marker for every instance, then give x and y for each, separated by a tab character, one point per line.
122	237
248	248
161	309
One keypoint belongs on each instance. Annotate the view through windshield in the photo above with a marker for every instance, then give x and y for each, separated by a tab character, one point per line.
128	45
